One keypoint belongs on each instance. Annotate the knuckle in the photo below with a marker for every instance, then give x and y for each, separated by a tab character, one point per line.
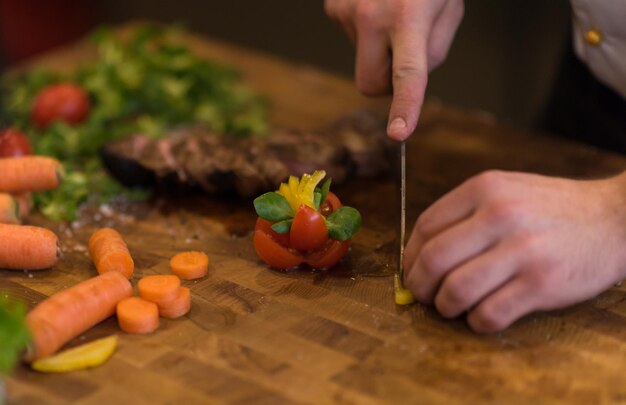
412	282
406	70
487	319
452	298
432	258
366	14
540	279
507	214
488	182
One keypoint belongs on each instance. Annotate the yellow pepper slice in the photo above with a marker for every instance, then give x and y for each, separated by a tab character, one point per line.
402	296
88	355
301	191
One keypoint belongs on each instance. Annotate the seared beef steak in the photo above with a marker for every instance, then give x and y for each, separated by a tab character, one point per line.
195	158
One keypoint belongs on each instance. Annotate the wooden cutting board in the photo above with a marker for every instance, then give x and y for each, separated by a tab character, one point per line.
259	336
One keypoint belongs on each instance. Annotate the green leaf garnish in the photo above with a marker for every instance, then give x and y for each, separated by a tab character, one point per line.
325	190
282	226
14	334
273	207
317	199
343	223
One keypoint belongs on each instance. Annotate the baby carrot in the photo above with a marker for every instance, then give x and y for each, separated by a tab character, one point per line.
29	173
160	289
177	307
110	253
72	311
9	209
24	247
137	316
190	265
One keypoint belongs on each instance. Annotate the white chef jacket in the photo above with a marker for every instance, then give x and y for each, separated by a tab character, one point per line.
600	39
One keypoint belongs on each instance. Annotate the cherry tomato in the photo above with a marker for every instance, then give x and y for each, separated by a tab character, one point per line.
14	143
330	204
308	229
266	226
328	255
273	247
63	101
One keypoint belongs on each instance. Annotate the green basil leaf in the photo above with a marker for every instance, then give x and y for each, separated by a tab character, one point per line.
317	200
343	223
282	226
325	189
273	207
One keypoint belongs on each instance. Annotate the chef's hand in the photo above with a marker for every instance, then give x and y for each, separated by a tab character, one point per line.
397	43
505	244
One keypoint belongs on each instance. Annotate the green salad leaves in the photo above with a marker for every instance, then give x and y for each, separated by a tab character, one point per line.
148	84
13	333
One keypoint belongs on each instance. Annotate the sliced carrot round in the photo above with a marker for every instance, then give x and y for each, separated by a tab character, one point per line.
159	289
137	316
179	306
190	265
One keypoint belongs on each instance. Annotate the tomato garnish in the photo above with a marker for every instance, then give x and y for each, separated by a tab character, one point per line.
330	204
308	229
328	255
266	226
303	223
274	254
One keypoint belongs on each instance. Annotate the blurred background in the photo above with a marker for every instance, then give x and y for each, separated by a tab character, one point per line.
504	59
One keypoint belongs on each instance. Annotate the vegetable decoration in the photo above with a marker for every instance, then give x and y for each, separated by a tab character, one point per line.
303	223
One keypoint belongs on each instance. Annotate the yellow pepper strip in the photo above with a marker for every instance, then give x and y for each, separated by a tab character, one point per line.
88	355
402	296
301	191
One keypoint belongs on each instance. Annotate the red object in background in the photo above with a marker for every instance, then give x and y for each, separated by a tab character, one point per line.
14	143
62	101
28	27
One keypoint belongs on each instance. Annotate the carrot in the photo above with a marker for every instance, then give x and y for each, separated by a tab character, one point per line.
109	252
9	209
29	173
160	289
137	316
24	247
25	202
177	307
72	311
190	265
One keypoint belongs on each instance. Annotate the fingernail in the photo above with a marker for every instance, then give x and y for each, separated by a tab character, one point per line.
397	124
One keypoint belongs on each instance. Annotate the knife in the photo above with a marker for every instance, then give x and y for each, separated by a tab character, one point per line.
402	295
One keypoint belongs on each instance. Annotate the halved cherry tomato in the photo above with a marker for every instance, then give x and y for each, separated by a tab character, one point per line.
330	204
266	226
62	101
272	253
14	143
328	255
308	229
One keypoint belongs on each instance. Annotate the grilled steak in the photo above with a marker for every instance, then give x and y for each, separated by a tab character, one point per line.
194	158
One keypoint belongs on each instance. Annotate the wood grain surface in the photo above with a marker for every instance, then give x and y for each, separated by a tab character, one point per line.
259	336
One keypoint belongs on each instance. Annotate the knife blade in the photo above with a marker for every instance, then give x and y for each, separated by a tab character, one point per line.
402	295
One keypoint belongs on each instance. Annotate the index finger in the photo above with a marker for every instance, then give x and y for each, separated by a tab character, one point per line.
409	77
